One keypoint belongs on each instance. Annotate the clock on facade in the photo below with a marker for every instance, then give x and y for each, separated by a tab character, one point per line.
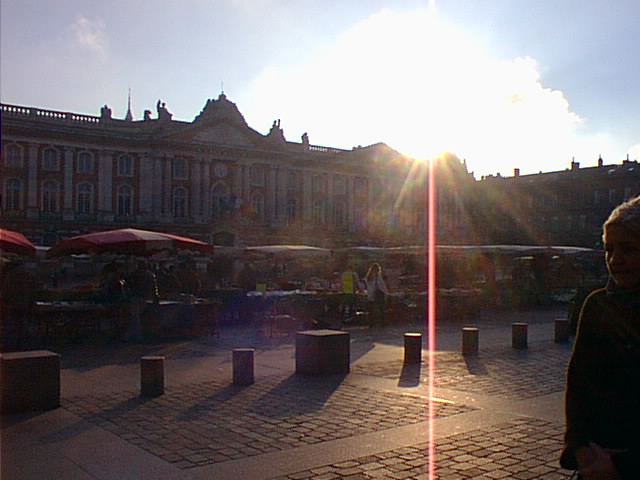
221	170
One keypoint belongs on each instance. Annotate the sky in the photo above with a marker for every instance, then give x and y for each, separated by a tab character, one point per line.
503	84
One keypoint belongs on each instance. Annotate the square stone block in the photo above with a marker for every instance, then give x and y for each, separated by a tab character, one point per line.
29	381
322	352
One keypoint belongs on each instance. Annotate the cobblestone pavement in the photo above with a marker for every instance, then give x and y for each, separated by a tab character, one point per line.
205	423
522	449
501	371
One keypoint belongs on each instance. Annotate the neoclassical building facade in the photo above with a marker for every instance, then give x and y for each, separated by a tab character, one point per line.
214	178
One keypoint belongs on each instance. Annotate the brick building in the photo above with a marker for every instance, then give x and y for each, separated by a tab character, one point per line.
213	178
216	179
556	208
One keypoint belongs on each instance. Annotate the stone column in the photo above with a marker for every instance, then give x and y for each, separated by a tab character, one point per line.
68	188
307	199
167	190
33	210
330	203
351	214
283	175
272	189
145	189
205	185
195	200
105	186
156	187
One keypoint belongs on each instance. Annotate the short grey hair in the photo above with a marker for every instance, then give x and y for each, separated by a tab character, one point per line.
626	214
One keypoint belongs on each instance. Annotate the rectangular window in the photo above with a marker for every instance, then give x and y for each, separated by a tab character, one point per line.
84	198
85	163
13	156
317	184
257	175
13	194
50	160
125	166
50	197
340	185
294	181
179	169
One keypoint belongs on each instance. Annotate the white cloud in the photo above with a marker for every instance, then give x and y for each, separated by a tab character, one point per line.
91	35
422	86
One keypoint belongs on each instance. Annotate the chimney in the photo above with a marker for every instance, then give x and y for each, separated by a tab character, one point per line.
516	172
600	161
574	165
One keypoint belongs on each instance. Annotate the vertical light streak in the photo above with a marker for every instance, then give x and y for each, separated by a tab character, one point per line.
431	315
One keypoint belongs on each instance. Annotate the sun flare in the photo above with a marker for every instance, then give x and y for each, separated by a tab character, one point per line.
422	86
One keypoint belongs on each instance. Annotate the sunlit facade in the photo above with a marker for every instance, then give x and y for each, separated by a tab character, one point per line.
213	178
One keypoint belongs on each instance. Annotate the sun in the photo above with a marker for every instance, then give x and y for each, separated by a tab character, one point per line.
423	86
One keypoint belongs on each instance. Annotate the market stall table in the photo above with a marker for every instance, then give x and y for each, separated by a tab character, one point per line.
65	321
169	318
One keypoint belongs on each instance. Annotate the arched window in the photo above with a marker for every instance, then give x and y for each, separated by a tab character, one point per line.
125	201
13	157
219	199
50	196
13	194
125	166
257	204
179	202
85	163
292	209
50	160
84	199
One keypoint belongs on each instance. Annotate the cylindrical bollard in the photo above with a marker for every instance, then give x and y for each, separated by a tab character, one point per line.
469	341
412	348
243	366
561	333
519	335
151	376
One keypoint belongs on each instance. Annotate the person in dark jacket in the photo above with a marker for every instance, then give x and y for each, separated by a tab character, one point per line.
602	438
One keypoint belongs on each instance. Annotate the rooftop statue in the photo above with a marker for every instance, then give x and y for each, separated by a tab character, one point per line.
163	113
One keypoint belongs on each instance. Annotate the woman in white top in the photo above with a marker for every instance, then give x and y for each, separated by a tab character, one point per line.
377	292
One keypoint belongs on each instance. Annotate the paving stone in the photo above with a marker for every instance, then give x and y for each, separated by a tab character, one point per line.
284	412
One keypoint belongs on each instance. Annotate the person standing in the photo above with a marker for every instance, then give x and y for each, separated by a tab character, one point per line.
602	401
349	280
142	288
377	292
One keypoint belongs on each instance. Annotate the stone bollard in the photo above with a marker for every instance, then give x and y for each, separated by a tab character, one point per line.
29	381
151	376
243	366
470	341
519	335
561	332
412	348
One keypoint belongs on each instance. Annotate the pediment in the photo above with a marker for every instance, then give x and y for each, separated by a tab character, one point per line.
221	133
